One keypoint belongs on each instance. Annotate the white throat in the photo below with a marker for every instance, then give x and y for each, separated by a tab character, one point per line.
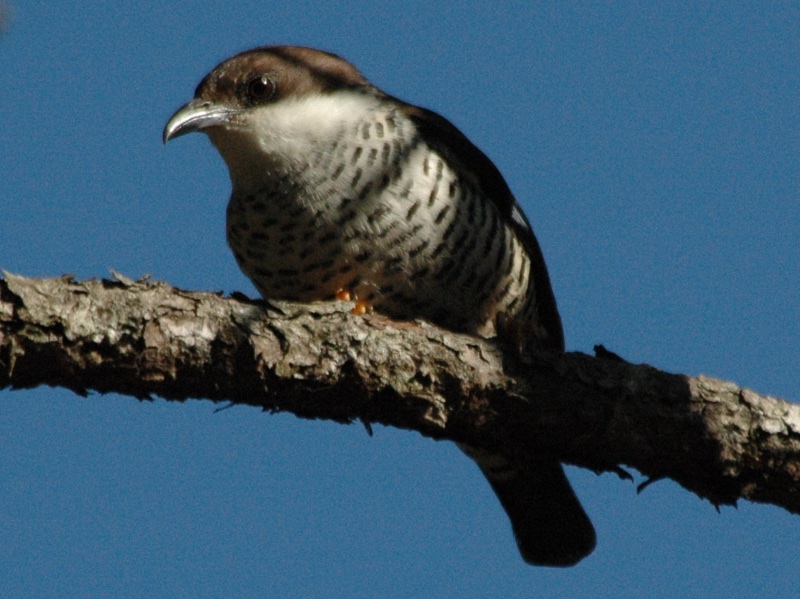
275	139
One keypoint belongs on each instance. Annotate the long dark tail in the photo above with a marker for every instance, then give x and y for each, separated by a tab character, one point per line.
549	523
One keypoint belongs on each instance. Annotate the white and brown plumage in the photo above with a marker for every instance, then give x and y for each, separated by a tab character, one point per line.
339	186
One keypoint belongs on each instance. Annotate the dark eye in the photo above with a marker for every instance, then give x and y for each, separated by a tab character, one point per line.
260	89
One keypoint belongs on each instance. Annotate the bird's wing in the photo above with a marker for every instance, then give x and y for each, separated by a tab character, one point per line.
445	138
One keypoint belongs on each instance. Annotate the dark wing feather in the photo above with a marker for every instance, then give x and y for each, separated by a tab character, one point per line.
445	138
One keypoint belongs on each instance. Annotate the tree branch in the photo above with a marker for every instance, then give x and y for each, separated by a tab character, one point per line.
319	361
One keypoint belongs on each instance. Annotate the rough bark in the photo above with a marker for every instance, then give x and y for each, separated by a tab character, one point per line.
142	338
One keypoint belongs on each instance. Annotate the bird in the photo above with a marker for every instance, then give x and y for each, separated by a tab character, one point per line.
343	191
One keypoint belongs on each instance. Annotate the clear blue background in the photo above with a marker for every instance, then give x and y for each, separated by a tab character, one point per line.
655	147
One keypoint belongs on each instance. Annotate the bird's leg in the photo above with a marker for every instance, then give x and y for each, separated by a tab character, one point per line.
522	335
361	307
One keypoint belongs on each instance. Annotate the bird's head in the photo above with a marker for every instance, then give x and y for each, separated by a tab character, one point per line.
274	104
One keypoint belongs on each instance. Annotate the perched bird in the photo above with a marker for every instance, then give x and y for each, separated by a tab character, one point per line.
341	190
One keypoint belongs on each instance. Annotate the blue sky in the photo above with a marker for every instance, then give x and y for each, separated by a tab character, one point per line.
655	148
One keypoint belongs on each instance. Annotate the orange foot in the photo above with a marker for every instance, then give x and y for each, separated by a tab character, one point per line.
361	307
